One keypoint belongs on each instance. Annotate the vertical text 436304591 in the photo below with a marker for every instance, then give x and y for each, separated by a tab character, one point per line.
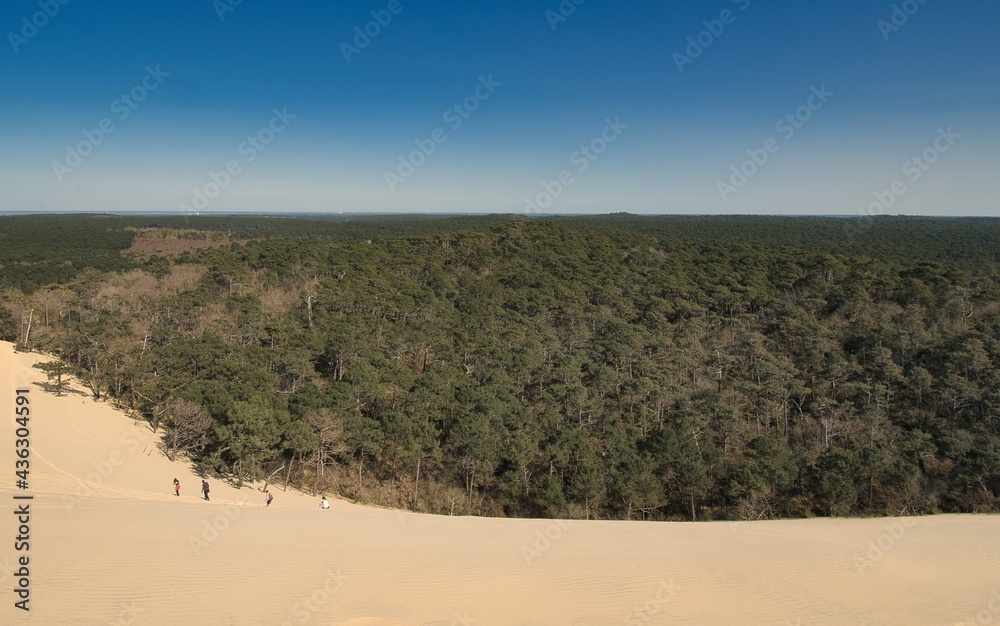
22	444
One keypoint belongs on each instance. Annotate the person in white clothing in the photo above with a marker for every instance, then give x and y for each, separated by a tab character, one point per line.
324	504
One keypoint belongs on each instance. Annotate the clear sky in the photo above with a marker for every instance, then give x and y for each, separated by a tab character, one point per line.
680	106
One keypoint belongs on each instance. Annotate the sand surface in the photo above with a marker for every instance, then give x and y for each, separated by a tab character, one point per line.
111	544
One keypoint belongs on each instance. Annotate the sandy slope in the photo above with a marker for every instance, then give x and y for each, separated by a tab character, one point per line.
111	544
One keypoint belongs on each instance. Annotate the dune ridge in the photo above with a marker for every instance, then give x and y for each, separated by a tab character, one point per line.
111	544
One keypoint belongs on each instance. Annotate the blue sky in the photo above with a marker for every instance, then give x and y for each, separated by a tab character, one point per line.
309	116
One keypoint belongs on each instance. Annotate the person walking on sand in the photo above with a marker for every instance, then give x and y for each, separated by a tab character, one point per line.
204	488
269	497
324	504
177	488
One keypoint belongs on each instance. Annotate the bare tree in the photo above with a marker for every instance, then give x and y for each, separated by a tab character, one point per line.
187	427
329	429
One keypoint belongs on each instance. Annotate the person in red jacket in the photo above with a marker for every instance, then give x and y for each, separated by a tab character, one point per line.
177	488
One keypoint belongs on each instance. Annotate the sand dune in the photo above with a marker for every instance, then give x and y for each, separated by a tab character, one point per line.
111	544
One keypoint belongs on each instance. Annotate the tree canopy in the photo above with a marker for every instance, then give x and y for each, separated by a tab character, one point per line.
619	367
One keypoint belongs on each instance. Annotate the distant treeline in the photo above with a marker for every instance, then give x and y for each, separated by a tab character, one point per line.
605	367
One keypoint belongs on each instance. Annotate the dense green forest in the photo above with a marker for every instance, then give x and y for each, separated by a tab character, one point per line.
615	367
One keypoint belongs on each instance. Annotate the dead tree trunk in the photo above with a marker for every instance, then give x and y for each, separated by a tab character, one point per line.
416	486
267	480
27	333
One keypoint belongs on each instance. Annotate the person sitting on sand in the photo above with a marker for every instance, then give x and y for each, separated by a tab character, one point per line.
324	504
204	488
177	488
